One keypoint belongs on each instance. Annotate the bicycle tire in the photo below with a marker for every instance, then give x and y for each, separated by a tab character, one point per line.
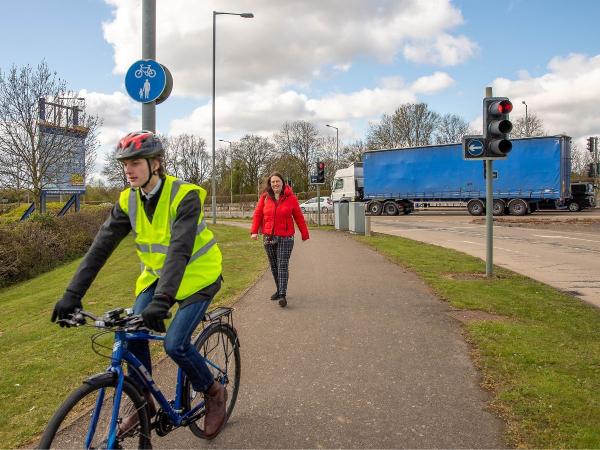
69	425
220	344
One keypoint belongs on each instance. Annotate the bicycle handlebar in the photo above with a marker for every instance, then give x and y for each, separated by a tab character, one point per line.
110	319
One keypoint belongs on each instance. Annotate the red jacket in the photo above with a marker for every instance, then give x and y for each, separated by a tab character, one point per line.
275	217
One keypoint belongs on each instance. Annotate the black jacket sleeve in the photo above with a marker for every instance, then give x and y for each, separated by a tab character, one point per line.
183	236
111	233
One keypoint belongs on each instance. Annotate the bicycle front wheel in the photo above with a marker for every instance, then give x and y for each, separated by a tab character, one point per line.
83	420
219	346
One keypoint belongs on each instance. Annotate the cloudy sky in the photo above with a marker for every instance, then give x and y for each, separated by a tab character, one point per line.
338	62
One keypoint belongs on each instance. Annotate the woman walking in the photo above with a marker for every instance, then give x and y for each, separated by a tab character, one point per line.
275	213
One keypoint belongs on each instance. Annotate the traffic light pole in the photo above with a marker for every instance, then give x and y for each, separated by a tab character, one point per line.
318	205
596	167
489	209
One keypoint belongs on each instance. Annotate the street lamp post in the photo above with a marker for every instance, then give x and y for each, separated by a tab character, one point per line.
214	179
337	143
526	121
231	170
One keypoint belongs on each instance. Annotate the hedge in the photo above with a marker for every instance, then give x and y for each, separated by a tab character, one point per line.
44	242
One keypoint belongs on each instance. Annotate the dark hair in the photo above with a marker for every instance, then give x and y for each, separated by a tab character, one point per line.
269	189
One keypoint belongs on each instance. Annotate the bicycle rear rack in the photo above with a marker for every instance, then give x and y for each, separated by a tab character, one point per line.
217	313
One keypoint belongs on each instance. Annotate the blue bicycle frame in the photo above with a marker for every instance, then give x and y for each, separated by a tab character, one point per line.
120	354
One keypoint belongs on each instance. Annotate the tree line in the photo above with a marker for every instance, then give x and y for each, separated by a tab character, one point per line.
27	162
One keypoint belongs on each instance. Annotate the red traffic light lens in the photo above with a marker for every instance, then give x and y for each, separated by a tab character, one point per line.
321	166
505	107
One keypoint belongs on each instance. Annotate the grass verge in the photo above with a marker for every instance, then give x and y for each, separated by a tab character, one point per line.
542	364
41	362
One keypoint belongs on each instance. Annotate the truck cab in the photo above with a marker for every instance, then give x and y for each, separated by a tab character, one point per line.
582	196
348	184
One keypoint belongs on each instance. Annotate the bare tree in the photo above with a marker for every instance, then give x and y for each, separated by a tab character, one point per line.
353	152
189	157
254	152
451	129
580	161
534	126
113	171
170	157
37	153
411	125
300	140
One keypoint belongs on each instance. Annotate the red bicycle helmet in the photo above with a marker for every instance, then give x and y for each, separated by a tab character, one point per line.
139	144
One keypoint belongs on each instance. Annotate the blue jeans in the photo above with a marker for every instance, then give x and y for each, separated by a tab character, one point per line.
177	342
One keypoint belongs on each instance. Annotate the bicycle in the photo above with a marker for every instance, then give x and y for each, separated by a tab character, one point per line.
145	70
83	422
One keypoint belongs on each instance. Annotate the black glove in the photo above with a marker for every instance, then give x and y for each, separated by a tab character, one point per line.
157	311
65	307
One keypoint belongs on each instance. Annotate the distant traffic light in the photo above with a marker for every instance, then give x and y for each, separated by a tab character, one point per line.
496	127
592	143
592	170
320	172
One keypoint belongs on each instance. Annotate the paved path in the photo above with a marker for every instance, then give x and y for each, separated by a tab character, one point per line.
364	356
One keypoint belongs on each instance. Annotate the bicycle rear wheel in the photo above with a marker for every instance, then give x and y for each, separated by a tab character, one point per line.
73	421
219	345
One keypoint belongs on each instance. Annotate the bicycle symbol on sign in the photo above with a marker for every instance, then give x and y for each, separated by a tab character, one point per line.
145	70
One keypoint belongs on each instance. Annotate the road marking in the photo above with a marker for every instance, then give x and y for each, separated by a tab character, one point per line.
470	242
565	237
509	250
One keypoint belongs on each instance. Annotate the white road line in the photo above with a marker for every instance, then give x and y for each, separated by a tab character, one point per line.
495	247
507	249
565	237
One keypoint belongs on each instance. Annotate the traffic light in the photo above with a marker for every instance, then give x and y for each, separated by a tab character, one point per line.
592	143
320	172
591	170
496	127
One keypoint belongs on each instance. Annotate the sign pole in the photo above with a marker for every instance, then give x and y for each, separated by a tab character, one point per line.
149	52
318	205
489	207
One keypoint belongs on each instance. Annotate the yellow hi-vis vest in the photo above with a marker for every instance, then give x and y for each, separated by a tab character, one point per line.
152	239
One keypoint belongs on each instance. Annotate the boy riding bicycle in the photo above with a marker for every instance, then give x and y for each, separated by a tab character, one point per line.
180	261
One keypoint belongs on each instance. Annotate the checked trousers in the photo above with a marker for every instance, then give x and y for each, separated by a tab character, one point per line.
279	249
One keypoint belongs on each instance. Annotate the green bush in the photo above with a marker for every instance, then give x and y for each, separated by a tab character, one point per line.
45	241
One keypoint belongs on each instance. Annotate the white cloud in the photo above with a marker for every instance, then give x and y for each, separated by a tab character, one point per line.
288	41
565	97
263	109
432	83
443	50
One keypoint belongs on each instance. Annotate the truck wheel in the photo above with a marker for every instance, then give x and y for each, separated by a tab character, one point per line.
390	208
517	207
498	207
574	207
374	208
475	207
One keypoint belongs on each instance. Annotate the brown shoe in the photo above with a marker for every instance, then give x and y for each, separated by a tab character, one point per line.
131	421
216	399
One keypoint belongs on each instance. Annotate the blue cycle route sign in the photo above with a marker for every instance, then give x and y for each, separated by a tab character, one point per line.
145	80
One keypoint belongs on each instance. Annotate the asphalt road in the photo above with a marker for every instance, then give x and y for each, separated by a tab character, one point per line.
563	255
364	356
